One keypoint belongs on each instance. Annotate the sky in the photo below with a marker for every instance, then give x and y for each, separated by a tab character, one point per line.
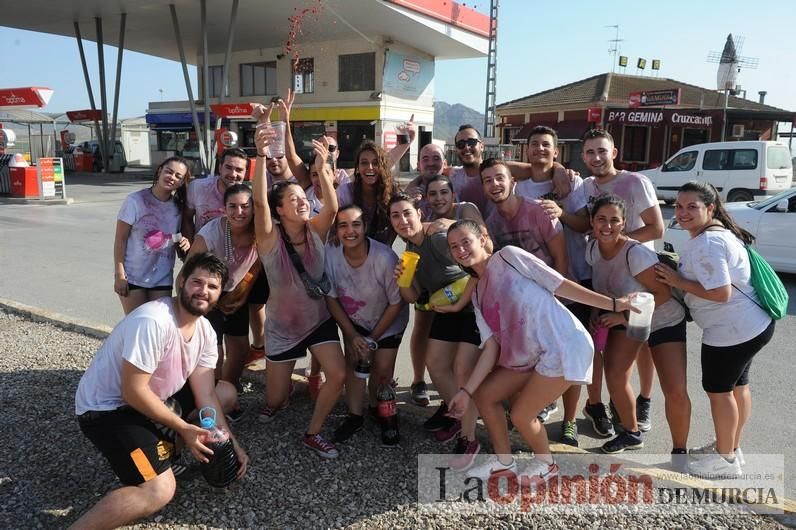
540	46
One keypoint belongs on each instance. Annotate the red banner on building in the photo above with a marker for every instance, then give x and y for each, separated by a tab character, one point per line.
595	115
232	110
25	97
84	115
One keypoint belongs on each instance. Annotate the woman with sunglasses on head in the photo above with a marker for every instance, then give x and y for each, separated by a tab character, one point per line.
620	266
147	235
533	347
290	245
453	338
714	274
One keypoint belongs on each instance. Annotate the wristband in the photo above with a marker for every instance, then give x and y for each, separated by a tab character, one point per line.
466	392
261	156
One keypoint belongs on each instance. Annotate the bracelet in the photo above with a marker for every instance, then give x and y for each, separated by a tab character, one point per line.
261	156
466	392
614	302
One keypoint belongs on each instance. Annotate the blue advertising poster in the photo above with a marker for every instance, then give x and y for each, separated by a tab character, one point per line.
406	76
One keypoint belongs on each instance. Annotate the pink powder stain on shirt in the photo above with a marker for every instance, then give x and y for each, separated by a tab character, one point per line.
156	240
351	305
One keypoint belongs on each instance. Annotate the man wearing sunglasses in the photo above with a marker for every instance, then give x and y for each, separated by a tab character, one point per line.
277	170
466	179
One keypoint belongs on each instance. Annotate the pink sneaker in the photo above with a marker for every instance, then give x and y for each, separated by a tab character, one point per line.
464	460
320	445
268	413
448	433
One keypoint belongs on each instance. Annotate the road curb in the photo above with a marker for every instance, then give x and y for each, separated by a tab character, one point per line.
45	202
100	331
38	314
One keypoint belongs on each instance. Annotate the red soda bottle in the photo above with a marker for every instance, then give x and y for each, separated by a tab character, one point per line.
388	414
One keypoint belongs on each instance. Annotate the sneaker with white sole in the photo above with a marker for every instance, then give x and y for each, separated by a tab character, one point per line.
320	445
548	411
420	394
466	451
492	466
624	440
540	468
600	423
268	413
708	449
715	467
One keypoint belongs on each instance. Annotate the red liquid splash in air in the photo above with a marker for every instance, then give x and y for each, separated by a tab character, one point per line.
296	25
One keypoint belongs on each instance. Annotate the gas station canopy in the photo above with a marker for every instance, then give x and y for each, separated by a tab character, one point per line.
446	29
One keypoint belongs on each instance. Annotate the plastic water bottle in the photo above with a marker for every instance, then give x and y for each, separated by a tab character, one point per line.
388	413
638	325
223	466
362	368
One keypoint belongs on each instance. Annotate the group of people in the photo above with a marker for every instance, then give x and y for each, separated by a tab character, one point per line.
530	259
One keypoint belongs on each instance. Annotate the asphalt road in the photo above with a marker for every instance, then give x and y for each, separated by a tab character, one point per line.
60	258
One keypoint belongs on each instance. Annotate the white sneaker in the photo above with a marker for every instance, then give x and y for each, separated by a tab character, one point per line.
714	467
490	467
708	449
541	469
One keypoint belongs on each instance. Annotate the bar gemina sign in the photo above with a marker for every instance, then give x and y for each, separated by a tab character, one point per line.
654	98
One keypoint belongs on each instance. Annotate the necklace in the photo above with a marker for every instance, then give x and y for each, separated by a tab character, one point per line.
228	249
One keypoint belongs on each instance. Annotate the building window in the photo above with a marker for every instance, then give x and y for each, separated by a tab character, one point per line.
723	159
634	144
258	79
303	76
357	72
216	81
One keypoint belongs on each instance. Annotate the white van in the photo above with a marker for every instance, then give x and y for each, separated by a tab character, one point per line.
740	171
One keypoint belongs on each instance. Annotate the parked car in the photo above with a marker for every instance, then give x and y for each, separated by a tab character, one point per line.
771	221
740	171
118	161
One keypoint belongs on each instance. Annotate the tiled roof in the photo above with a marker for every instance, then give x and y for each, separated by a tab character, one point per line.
592	90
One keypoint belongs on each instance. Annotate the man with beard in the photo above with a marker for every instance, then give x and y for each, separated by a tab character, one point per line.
133	399
205	202
644	223
277	170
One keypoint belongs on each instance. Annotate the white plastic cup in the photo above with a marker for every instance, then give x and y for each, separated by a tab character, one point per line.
638	325
276	149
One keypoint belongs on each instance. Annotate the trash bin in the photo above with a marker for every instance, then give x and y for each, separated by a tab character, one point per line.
24	182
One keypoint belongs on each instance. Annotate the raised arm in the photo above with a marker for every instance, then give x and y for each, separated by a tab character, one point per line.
264	229
325	218
397	152
294	161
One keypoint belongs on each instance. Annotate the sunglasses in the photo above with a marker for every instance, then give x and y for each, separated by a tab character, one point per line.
470	142
277	157
332	148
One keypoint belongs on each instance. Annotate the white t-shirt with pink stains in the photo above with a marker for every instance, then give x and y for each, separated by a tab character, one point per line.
149	339
470	189
530	229
365	292
149	255
534	330
572	203
214	234
206	200
716	258
634	188
616	277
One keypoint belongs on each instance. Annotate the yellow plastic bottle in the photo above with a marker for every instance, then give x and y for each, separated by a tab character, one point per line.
448	295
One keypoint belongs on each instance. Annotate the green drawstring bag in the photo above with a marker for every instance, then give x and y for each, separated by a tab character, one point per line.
769	288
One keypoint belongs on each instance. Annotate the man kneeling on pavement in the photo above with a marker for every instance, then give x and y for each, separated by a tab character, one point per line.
133	401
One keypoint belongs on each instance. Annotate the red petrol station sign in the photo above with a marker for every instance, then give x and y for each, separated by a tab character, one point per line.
25	97
595	114
84	115
232	110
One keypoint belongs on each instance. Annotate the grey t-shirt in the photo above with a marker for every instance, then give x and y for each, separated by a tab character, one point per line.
436	267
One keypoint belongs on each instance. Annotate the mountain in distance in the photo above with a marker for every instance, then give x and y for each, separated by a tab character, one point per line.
447	119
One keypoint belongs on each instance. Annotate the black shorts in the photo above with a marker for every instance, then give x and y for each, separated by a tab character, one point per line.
675	333
260	290
725	367
134	287
137	448
234	325
581	311
326	332
386	343
455	327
